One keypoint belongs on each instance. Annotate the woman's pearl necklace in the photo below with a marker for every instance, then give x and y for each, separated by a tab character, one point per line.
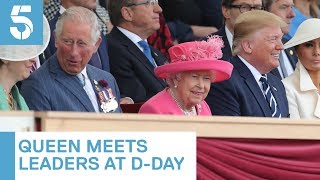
192	112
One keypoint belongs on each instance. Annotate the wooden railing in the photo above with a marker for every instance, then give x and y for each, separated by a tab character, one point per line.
216	126
227	147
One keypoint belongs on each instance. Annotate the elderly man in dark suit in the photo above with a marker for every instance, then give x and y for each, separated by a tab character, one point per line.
66	82
251	91
231	9
288	58
100	59
132	60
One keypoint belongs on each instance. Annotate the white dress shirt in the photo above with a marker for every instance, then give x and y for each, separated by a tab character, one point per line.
89	90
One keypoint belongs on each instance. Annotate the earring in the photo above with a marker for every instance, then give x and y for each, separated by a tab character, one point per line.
175	86
5	61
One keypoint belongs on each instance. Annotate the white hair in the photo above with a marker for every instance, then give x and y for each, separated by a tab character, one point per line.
82	15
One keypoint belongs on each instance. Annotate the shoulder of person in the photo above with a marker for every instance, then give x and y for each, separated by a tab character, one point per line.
100	72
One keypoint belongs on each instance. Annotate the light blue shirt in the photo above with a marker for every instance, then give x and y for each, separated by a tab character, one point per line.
296	21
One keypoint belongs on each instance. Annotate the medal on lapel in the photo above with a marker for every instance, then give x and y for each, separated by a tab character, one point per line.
113	104
106	98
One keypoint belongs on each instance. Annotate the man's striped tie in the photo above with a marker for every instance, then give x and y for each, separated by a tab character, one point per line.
269	97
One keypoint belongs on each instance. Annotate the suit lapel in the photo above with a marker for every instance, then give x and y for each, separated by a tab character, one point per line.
246	74
156	57
293	59
276	72
92	76
291	54
226	50
135	51
71	83
159	62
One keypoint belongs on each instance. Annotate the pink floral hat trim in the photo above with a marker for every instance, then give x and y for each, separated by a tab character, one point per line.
197	55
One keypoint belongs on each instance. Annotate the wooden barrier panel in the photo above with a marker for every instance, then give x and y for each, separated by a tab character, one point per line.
227	147
216	126
18	121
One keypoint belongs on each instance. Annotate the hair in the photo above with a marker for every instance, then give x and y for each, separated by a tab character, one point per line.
314	9
250	22
227	3
267	4
114	10
81	15
1	62
171	77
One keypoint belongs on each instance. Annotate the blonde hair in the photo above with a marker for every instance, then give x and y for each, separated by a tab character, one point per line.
250	22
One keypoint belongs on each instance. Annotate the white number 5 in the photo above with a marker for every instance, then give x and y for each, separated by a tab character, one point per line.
22	20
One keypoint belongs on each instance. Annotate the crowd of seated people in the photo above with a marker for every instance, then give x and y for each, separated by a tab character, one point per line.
102	56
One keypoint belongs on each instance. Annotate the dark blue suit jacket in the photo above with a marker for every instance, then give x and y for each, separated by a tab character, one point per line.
226	50
102	50
132	69
242	96
51	89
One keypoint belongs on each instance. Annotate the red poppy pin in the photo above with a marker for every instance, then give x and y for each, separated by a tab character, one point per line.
103	83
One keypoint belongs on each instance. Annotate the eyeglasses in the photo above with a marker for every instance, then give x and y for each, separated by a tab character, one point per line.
147	2
70	42
245	7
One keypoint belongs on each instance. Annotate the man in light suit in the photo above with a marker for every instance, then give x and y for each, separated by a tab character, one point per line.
231	9
66	82
289	59
257	45
100	59
131	64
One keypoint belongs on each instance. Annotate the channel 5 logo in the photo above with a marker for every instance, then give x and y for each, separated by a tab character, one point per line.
21	22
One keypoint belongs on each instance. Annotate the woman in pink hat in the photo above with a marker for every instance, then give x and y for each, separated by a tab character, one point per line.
303	86
194	66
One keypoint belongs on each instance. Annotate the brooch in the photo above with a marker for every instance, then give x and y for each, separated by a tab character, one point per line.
107	99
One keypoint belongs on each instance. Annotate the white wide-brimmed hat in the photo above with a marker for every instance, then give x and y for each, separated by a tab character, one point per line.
307	31
25	52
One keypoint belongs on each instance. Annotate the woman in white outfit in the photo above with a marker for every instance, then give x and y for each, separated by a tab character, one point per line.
303	86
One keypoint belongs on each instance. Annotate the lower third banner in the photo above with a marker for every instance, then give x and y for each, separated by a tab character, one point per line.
98	155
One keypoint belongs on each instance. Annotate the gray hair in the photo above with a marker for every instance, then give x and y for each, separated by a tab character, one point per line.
114	10
82	15
171	77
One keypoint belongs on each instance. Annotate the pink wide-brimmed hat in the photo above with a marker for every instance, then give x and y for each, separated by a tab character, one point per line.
195	56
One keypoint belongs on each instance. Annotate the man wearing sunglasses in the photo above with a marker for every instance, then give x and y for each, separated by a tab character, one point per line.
231	9
132	60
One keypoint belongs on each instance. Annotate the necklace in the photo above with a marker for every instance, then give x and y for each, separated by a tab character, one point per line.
192	112
9	98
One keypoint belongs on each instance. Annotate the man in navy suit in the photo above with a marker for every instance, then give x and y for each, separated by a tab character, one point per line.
66	82
100	59
231	9
131	62
257	45
288	60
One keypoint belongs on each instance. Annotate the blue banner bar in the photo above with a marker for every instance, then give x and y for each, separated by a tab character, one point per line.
7	155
